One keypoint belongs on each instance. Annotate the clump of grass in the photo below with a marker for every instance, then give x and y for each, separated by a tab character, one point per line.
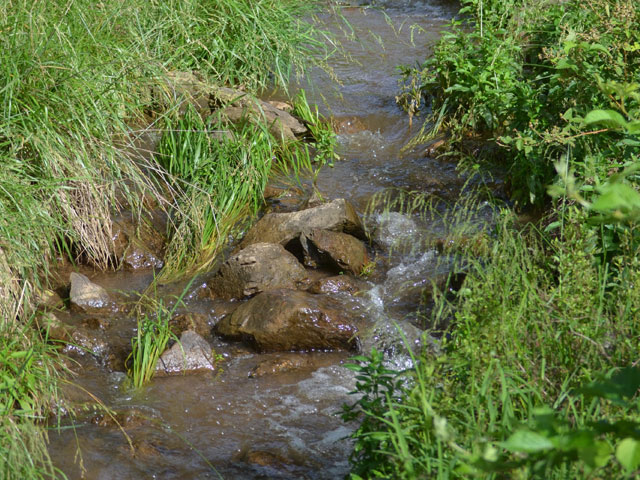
153	335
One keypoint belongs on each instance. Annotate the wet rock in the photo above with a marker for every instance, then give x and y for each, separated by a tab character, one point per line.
335	284
285	320
192	353
336	250
338	215
137	248
129	418
84	340
238	106
54	328
48	298
195	322
281	364
86	296
96	323
259	267
266	459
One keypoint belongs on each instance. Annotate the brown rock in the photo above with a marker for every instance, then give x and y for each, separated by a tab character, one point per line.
190	321
54	328
239	105
281	364
136	247
338	215
348	125
335	284
336	250
259	267
285	320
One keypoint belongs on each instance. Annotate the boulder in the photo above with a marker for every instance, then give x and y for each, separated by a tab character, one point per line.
192	353
184	89
286	320
335	250
259	267
54	328
337	215
86	296
85	340
335	284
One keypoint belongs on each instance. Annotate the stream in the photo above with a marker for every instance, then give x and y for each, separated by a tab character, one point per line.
227	424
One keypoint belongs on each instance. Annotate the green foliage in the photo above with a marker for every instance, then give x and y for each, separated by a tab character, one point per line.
324	138
153	335
538	316
545	80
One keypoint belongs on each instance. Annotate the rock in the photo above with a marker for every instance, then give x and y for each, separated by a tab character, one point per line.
285	320
195	322
136	248
96	323
192	353
84	340
259	267
287	107
338	215
280	364
86	295
335	284
238	105
184	89
128	418
266	459
48	298
54	328
336	250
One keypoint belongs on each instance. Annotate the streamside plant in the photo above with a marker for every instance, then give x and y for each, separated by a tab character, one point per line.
150	342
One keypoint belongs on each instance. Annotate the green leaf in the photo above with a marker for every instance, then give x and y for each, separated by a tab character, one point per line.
610	118
616	196
628	453
528	442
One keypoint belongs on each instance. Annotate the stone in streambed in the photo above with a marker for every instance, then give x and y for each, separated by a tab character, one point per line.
335	250
195	322
87	296
335	284
136	248
281	364
337	215
286	320
191	354
257	268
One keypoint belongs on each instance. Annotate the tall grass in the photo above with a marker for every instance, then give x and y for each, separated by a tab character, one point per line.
74	76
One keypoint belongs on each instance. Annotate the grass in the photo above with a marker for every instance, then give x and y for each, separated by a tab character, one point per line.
74	77
538	374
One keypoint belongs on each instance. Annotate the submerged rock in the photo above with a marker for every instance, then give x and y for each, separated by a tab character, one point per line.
281	364
338	216
285	320
192	353
257	268
335	284
335	250
86	295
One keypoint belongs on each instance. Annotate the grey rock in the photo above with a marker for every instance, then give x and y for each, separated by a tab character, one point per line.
337	215
86	295
192	353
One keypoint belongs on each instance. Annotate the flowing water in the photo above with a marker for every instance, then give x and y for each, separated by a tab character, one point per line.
226	424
